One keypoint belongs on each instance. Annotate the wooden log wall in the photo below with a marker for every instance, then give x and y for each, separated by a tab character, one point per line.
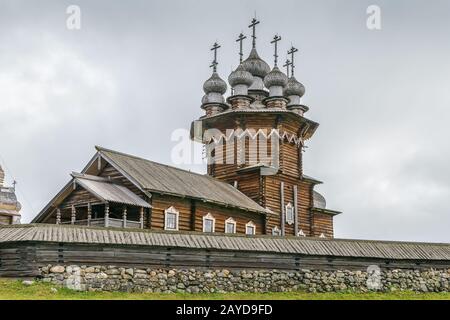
5	220
110	172
191	214
322	224
161	203
241	218
266	189
273	202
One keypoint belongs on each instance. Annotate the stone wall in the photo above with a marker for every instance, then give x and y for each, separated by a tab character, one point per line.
110	278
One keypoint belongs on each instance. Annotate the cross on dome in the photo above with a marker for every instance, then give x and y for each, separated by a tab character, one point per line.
253	26
275	42
240	39
292	51
214	64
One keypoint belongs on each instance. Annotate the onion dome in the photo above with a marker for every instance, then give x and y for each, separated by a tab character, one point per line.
294	88
8	197
255	65
319	200
213	98
240	77
215	84
275	78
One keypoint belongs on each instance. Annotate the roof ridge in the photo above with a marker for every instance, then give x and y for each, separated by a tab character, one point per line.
100	149
85	176
205	176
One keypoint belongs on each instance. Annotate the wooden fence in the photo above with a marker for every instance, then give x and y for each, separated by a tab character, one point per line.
23	259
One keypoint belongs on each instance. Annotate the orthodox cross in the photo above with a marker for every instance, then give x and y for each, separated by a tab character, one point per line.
253	26
215	63
292	51
275	42
14	185
287	65
240	39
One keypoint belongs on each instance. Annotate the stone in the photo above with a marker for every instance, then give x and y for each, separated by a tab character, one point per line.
129	271
57	269
27	282
110	278
112	271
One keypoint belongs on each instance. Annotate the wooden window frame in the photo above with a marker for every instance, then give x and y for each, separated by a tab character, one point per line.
210	217
174	211
252	225
289	207
230	221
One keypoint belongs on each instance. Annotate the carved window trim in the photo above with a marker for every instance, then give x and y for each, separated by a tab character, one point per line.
289	213
276	231
168	213
209	217
230	221
250	228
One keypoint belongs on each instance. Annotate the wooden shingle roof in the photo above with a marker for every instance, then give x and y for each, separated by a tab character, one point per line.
289	245
105	190
156	177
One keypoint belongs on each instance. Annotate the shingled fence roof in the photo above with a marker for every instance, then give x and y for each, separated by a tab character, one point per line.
288	245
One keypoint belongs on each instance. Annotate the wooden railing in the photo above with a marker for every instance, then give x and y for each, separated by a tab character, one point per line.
111	223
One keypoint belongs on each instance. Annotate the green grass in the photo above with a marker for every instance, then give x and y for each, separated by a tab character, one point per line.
15	290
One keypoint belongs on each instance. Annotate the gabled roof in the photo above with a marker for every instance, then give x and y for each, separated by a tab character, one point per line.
153	177
156	177
105	190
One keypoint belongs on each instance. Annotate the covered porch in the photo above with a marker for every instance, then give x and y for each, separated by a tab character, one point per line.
102	203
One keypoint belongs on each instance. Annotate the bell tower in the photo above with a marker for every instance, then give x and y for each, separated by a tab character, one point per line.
255	140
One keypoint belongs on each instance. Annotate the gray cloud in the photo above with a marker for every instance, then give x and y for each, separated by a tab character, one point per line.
133	74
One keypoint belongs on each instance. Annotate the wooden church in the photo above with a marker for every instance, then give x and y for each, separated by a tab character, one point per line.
255	184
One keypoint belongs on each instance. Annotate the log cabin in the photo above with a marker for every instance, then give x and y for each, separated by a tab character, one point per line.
254	141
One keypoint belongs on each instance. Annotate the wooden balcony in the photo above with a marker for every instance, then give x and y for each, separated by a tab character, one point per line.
108	223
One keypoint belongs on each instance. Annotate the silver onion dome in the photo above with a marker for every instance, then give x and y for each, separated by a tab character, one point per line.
294	88
275	78
255	65
215	84
240	77
319	200
213	99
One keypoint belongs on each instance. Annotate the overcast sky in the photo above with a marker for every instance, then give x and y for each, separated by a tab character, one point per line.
134	72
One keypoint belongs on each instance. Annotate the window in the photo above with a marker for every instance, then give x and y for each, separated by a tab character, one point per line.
209	223
276	231
171	219
230	225
289	213
250	228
